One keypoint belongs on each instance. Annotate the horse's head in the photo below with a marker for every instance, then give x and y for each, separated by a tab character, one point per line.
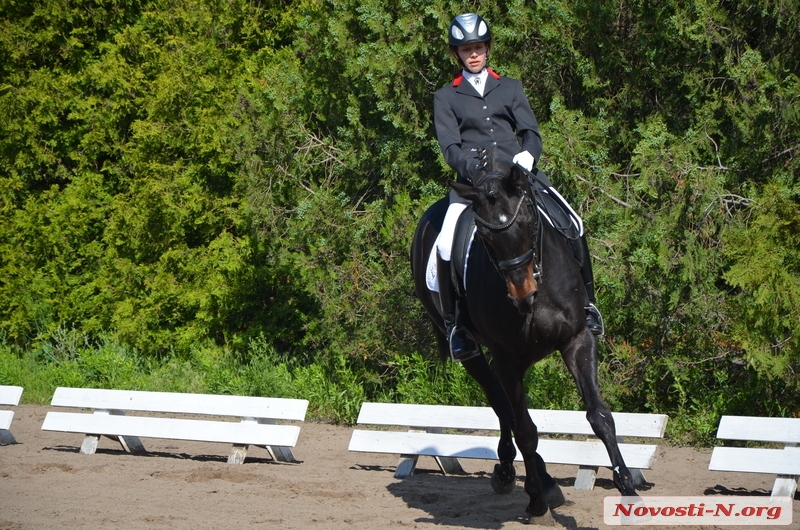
508	226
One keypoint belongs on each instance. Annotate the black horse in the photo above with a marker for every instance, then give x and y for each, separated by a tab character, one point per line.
523	298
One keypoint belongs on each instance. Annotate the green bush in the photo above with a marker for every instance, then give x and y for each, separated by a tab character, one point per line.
206	195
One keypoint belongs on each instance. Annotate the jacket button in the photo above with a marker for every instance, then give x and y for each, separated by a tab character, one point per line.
485	107
488	119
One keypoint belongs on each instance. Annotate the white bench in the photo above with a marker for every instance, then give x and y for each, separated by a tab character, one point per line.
257	425
9	395
785	463
427	422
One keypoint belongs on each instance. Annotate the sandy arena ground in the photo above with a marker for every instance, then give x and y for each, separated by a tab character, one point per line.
45	483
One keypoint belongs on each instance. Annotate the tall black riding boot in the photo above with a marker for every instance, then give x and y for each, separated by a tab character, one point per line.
594	321
462	346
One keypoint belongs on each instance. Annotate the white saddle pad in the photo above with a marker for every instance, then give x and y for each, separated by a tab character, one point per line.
430	273
431	278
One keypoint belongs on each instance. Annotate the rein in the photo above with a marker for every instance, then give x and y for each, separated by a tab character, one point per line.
503	226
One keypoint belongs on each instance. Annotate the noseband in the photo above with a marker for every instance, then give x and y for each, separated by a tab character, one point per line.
506	266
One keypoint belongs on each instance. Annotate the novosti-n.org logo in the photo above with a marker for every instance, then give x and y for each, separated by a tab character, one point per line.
655	511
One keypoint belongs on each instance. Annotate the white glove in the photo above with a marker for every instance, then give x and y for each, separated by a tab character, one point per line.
524	159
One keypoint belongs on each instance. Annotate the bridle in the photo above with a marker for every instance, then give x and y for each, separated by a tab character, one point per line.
506	266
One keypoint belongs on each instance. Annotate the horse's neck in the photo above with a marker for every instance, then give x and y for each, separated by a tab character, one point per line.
558	261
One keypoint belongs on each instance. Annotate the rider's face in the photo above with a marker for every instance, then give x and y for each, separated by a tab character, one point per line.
473	56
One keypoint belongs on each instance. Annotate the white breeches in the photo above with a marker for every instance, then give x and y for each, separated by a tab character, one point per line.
444	241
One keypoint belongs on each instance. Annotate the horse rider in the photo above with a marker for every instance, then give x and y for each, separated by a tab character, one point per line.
482	109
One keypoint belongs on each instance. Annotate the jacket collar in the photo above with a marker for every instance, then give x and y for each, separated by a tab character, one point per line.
492	82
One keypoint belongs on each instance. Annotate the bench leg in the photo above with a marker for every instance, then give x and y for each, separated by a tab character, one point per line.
406	465
277	453
585	478
281	454
130	444
89	445
785	486
449	465
238	454
6	438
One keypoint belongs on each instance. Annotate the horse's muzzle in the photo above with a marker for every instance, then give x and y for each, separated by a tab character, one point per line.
523	288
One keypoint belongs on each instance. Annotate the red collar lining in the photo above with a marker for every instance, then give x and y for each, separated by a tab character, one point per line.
460	77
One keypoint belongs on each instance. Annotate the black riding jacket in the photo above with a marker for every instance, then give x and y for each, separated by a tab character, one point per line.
502	119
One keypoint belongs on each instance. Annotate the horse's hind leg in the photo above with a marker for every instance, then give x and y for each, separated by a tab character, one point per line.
581	360
551	491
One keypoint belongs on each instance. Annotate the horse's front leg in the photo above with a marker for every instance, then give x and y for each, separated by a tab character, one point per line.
581	360
504	475
527	437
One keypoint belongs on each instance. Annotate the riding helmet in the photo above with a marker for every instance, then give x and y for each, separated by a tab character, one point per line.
467	28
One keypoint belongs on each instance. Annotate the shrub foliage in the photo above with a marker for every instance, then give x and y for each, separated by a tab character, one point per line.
188	184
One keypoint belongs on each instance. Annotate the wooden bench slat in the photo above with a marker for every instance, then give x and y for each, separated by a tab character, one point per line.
5	419
754	460
761	429
484	418
421	416
168	402
176	429
10	395
638	456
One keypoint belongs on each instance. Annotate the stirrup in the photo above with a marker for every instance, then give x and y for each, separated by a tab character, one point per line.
592	309
463	356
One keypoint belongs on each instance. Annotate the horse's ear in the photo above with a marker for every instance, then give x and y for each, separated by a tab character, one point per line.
467	191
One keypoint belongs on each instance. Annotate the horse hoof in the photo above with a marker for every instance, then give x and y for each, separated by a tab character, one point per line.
554	497
504	478
542	520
